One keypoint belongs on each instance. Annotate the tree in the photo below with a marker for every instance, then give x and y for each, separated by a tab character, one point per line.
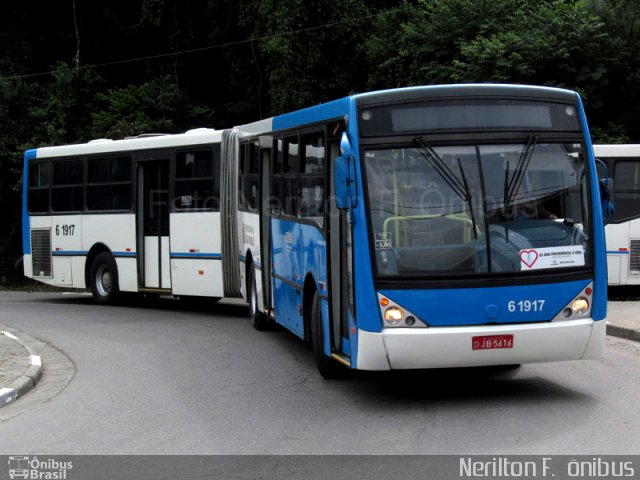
589	46
157	106
444	41
304	52
617	119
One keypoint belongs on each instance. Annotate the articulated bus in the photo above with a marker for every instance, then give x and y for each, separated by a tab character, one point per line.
623	233
133	215
441	226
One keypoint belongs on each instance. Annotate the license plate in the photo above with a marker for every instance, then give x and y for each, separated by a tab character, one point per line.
490	342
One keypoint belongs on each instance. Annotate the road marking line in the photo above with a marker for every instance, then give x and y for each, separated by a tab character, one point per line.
7	395
10	335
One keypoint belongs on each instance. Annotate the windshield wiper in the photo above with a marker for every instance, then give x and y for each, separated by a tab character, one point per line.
512	189
512	186
460	188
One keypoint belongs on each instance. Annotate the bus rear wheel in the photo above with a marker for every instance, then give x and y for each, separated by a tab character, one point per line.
104	279
327	367
258	319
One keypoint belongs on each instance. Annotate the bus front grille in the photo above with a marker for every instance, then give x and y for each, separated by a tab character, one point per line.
634	260
41	252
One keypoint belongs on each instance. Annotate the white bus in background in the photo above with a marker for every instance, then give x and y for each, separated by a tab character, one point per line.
134	215
623	233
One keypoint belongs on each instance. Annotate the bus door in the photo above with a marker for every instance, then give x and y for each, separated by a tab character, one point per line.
153	223
266	145
340	261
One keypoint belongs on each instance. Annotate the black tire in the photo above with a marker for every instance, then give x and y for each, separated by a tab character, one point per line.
328	368
258	319
103	278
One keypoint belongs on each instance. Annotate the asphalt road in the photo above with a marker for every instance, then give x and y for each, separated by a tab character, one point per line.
165	378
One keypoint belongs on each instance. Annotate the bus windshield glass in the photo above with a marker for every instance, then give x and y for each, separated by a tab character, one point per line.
478	209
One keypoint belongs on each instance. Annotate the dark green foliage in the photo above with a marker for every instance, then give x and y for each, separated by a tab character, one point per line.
206	63
297	63
157	106
518	41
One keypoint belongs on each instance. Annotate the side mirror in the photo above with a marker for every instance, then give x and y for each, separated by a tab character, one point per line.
344	180
344	176
606	191
606	196
345	145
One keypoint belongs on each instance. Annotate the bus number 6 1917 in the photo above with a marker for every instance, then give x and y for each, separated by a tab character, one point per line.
525	306
66	230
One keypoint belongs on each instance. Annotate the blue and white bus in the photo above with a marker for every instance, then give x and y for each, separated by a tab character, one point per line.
441	226
132	215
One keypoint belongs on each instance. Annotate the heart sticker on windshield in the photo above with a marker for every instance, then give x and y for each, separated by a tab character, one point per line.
528	257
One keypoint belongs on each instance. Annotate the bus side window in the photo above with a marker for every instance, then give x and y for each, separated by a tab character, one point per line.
67	189
251	176
194	183
109	183
290	172
286	169
312	177
626	181
38	194
276	199
242	201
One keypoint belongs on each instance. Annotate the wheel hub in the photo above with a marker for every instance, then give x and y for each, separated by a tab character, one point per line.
103	281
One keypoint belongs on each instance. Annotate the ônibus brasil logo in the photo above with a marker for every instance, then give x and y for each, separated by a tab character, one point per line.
34	469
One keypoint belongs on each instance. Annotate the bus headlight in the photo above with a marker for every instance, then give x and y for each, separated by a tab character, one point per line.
393	316
580	306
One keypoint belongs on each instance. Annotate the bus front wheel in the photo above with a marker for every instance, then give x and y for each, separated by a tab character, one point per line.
327	367
104	279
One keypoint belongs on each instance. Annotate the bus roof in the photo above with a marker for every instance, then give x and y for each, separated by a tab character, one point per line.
619	150
464	90
192	137
341	107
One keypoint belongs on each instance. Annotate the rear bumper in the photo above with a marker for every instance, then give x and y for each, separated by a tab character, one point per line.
406	348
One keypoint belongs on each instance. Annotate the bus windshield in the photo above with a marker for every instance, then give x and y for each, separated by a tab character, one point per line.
478	209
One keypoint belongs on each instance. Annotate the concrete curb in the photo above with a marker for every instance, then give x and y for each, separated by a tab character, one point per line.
623	332
27	380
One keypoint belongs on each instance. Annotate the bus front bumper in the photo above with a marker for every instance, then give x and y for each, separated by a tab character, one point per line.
443	347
